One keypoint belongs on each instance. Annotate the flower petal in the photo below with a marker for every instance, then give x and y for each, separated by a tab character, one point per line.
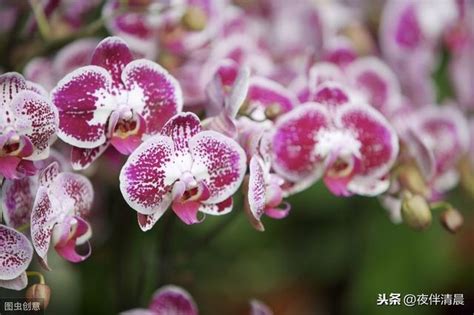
322	72
220	208
331	94
19	283
375	79
37	119
237	93
162	96
39	70
112	54
265	94
218	161
76	188
256	187
17	200
66	235
181	128
144	181
378	140
445	131
16	253
11	83
75	55
9	167
146	222
187	211
294	142
370	187
279	213
43	218
171	299
84	106
83	158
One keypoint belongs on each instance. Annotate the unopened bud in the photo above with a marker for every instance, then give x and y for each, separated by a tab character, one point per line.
40	292
452	220
416	212
272	111
194	19
411	179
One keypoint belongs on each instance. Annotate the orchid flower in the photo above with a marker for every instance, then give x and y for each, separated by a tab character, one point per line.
168	300
264	194
351	146
62	201
263	189
409	33
28	123
435	138
180	25
445	132
115	101
16	253
185	167
368	78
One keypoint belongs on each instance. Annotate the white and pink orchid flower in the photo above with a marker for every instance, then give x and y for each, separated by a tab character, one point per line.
444	131
62	202
409	35
184	167
264	194
16	253
368	78
115	101
435	138
28	123
263	189
168	300
377	82
178	26
352	146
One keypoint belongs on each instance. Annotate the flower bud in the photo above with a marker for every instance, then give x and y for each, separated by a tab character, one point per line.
39	291
272	111
416	212
410	178
452	220
194	19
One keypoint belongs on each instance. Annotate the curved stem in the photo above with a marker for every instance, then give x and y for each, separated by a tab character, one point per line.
36	274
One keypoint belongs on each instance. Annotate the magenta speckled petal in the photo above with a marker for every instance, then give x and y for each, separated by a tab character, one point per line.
112	54
219	162
16	253
84	105
161	93
295	139
144	181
